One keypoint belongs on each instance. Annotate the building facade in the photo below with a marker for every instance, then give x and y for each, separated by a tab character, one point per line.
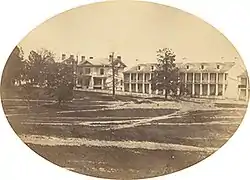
200	79
243	87
137	79
97	73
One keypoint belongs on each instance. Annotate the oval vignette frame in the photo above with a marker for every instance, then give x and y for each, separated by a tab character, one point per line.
136	102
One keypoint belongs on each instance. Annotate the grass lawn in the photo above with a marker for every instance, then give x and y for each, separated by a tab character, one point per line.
95	116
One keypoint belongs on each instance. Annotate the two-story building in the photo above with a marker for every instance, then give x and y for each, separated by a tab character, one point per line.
200	79
137	78
97	73
243	87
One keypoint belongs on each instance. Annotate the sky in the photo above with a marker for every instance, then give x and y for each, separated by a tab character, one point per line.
134	30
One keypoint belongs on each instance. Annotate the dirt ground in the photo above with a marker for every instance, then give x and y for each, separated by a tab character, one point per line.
123	139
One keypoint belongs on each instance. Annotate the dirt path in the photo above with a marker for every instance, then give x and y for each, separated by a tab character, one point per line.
55	141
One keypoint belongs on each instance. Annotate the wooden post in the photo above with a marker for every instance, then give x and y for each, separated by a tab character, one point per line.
113	74
201	90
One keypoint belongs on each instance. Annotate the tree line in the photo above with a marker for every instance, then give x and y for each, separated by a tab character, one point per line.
41	69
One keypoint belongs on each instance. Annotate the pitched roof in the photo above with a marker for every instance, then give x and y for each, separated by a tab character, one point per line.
144	68
99	62
192	67
243	75
215	67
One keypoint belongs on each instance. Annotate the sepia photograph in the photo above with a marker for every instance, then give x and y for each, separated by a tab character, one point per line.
125	90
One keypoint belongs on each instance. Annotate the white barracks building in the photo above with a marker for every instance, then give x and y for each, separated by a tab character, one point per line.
218	80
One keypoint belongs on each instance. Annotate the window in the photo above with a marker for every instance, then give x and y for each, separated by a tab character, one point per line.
220	78
126	77
126	87
189	77
220	90
140	77
187	67
133	77
212	89
152	68
218	66
204	89
202	66
133	87
213	78
146	88
87	70
102	71
80	70
205	77
121	82
140	88
147	77
139	68
226	76
244	81
197	77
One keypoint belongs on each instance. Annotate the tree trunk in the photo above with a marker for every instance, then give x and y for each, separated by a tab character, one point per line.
59	102
166	94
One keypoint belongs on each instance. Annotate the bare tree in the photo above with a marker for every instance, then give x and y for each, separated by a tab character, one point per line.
113	74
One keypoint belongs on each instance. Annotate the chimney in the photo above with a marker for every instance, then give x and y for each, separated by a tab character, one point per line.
83	58
119	57
63	56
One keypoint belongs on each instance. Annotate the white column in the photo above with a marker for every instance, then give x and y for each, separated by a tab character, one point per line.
91	83
223	86
216	84
130	89
143	85
102	83
201	85
136	81
150	84
193	90
208	84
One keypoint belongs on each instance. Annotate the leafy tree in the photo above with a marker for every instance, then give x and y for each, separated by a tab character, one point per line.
13	71
39	66
54	77
64	92
26	92
60	83
166	75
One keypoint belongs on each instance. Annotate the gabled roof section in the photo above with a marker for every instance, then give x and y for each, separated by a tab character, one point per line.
86	63
243	75
144	68
213	67
100	62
